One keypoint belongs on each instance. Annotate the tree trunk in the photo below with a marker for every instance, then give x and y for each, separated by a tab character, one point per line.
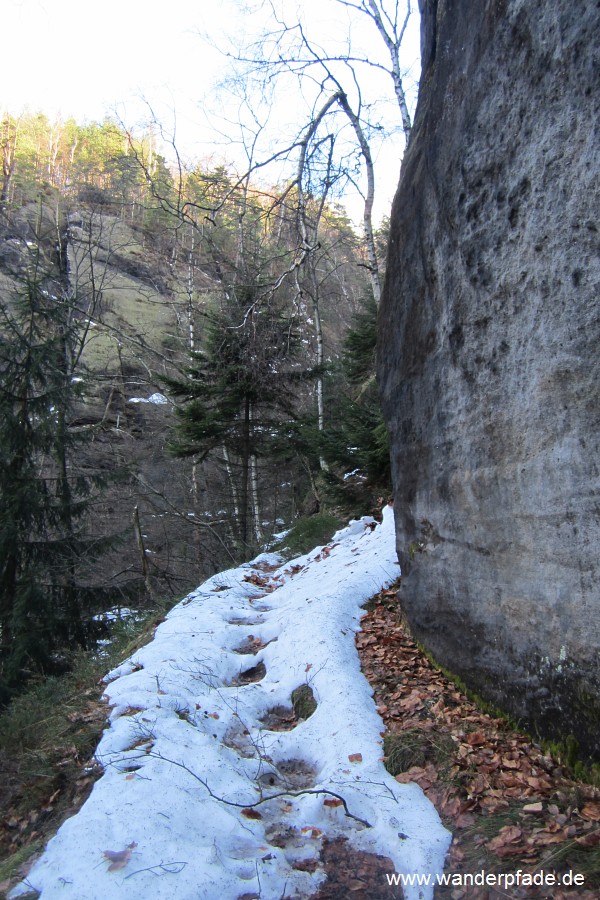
65	499
142	551
373	264
190	296
245	471
232	484
258	532
9	146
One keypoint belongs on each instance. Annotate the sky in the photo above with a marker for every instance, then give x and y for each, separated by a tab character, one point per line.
68	58
210	787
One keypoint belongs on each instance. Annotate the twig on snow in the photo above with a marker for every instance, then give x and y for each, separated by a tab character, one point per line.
170	868
313	791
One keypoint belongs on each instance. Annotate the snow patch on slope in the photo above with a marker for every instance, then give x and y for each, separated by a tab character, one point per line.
192	754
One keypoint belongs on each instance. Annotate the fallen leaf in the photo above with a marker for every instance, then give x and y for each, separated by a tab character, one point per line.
310	829
483	768
306	865
332	802
476	738
251	813
533	807
544	839
478	785
507	835
451	808
464	820
589	840
258	580
355	757
590	811
119	858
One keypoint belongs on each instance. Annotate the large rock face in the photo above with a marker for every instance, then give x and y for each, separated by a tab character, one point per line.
490	356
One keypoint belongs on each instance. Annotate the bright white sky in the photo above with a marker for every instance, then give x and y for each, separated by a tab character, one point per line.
71	58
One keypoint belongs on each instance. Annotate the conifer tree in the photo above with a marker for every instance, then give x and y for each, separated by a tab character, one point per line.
41	500
356	444
240	391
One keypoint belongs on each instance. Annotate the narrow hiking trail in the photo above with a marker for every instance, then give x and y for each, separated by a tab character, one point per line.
244	757
510	805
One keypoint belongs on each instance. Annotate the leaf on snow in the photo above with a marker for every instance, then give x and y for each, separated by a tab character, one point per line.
119	858
251	813
312	831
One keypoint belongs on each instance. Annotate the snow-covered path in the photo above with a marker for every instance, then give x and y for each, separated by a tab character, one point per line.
195	748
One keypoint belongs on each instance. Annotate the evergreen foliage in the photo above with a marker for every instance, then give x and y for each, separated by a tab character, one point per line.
240	392
42	500
355	443
234	294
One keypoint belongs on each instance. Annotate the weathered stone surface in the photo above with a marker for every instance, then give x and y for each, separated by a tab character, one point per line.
490	356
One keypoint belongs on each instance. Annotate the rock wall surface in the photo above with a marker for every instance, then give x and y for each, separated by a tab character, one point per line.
490	356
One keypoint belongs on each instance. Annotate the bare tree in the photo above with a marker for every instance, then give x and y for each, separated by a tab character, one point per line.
334	74
8	136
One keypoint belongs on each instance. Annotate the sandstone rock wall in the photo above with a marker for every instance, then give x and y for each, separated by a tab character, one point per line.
490	356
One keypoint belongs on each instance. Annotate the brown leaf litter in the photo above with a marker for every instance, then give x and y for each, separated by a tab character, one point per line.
509	804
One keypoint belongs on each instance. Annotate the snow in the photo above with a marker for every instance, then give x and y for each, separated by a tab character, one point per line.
156	398
117	613
189	765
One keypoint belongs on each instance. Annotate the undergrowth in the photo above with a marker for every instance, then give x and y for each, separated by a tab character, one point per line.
47	737
307	533
415	747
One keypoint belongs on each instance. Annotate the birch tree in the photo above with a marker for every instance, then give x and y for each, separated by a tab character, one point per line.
340	85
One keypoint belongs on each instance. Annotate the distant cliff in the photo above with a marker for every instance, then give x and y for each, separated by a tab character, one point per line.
490	356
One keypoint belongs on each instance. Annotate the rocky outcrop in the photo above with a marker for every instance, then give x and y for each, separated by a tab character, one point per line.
490	356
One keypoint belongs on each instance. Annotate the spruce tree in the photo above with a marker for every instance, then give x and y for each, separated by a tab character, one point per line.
41	501
240	391
356	444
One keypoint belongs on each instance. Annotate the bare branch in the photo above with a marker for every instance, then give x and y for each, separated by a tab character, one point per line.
307	791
